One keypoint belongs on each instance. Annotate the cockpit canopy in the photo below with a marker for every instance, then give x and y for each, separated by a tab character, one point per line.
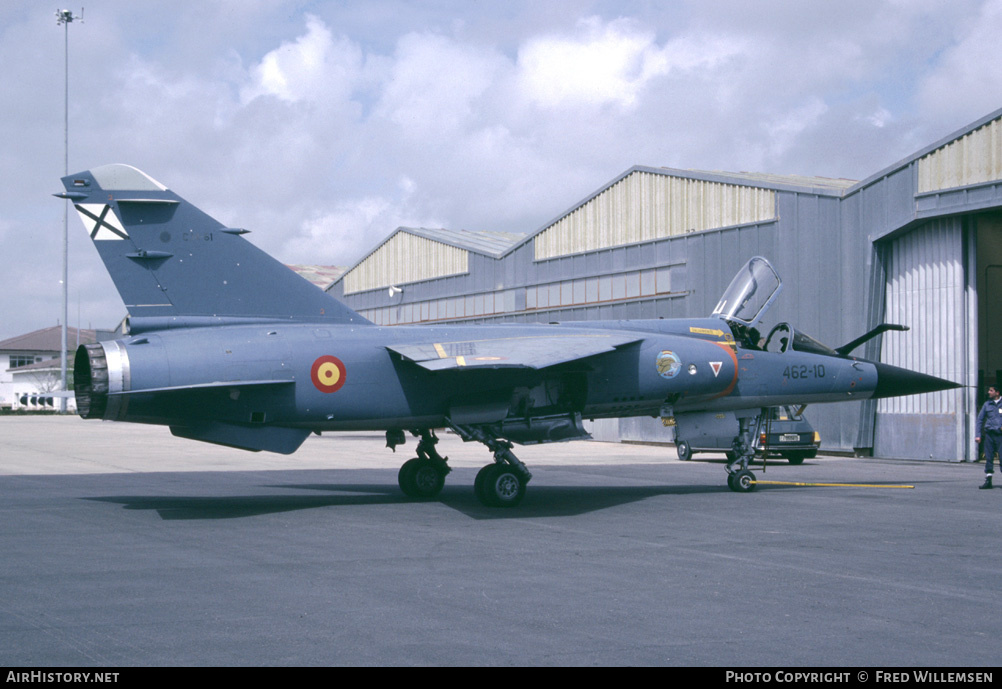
750	293
783	338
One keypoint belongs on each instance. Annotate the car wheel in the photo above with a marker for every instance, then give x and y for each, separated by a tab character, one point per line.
684	450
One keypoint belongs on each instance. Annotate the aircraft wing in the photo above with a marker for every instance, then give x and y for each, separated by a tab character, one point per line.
529	351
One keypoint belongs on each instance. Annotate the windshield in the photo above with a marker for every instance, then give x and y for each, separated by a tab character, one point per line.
750	293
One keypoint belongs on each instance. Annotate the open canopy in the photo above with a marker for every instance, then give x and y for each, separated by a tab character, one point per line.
750	293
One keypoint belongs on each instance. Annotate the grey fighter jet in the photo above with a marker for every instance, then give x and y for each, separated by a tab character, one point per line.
226	345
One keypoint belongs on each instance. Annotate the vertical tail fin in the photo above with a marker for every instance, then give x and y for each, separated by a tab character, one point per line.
175	266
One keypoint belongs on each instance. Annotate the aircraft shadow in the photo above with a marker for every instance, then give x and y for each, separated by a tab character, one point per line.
540	501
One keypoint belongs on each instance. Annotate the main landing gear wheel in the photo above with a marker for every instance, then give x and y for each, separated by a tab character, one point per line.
499	485
684	450
478	482
421	478
742	481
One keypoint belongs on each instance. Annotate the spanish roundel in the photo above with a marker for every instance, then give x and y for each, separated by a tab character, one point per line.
328	374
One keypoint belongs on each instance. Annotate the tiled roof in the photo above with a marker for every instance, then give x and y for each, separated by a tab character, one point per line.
47	340
321	276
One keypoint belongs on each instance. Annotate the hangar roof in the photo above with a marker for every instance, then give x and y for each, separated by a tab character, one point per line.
478	241
445	252
818	185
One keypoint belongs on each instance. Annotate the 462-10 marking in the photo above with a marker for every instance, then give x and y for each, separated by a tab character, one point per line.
802	371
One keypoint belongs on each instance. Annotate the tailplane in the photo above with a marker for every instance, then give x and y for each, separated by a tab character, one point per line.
175	266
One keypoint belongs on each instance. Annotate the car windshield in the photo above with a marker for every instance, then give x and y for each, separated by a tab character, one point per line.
750	293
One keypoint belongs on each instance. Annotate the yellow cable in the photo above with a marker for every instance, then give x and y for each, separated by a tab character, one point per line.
832	485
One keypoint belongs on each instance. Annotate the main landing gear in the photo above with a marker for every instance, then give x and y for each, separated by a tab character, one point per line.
501	484
424	476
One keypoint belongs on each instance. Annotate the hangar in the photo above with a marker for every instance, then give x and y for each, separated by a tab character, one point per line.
915	243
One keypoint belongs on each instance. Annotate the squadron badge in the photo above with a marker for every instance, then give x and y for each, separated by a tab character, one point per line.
668	364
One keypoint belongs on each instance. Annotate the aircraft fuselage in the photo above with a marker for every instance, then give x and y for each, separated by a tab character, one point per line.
268	374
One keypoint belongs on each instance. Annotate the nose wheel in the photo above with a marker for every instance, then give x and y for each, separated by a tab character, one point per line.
742	481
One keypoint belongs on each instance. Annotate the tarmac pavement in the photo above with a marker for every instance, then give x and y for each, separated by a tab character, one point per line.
121	545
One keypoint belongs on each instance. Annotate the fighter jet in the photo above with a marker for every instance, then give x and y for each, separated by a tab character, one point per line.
226	345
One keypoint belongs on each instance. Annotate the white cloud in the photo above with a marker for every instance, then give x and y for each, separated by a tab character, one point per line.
354	226
602	63
786	128
315	66
878	118
435	85
966	80
608	63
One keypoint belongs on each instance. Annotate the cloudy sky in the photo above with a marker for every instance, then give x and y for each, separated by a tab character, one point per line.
322	126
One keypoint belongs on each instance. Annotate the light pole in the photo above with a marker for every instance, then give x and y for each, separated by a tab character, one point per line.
65	18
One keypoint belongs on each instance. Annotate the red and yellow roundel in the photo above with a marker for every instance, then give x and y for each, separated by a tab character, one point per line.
328	374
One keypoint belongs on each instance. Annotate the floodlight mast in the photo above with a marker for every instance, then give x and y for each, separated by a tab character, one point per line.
65	18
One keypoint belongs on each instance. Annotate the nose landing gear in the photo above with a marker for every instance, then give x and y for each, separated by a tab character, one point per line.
740	479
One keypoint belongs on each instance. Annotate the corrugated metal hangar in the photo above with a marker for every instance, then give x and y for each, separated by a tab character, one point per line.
914	244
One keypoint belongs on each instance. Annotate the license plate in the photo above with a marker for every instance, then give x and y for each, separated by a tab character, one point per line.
789	438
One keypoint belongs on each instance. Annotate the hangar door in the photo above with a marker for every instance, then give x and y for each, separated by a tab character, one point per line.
931	288
989	243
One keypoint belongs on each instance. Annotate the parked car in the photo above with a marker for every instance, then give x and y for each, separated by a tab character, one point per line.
782	431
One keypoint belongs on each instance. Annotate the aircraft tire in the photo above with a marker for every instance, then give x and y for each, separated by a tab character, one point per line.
421	478
478	483
741	482
498	485
684	450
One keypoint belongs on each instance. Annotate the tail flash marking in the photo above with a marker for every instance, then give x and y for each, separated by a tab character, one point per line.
100	221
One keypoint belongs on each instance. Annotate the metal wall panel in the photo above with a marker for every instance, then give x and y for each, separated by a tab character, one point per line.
405	258
972	159
926	283
644	206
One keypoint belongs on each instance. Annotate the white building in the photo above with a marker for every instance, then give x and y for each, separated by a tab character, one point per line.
29	366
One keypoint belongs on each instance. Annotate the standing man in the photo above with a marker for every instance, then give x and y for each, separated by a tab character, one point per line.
989	430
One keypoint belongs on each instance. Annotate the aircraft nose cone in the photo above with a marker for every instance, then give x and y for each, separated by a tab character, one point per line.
893	381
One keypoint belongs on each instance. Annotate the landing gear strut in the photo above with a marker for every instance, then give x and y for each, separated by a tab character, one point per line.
740	479
501	484
424	476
